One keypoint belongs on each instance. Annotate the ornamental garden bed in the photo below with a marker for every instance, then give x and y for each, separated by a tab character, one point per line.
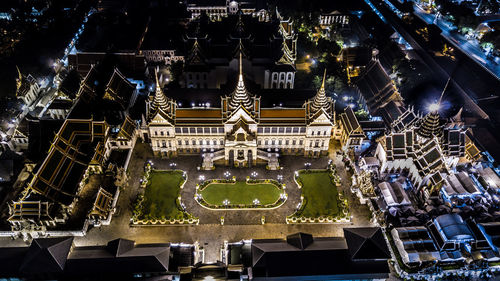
160	203
321	201
232	194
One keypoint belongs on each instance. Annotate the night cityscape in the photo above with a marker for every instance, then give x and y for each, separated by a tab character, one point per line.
249	140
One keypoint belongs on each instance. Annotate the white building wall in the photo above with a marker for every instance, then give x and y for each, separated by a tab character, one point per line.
197	140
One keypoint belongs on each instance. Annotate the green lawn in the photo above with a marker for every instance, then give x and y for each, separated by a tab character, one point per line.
240	193
160	196
320	195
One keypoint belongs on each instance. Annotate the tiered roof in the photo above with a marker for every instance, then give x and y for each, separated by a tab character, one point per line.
351	124
127	129
240	96
102	204
376	87
430	126
58	177
361	251
160	104
265	42
23	83
119	89
29	210
320	100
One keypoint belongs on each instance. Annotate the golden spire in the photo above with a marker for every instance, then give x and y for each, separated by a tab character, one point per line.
160	101
324	78
240	95
320	100
241	68
19	79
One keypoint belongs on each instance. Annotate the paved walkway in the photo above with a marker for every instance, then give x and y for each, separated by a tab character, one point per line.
238	224
277	215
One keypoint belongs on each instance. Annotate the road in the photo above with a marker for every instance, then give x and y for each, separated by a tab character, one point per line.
471	48
442	74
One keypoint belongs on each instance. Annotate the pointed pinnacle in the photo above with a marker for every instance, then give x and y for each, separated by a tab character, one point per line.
323	82
156	78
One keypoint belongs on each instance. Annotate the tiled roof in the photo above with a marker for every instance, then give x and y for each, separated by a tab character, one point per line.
59	175
282	113
198	113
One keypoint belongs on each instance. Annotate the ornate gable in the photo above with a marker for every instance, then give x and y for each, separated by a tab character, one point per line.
241	113
321	117
160	118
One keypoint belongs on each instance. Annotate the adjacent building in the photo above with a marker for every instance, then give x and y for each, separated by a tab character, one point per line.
219	9
268	48
361	254
93	128
375	88
27	89
59	258
352	134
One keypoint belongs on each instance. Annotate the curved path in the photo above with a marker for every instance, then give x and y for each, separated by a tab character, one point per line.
277	215
210	234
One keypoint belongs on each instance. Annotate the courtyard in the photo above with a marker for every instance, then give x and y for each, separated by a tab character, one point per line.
160	200
321	197
240	194
239	224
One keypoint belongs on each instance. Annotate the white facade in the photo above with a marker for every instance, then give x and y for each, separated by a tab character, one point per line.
27	89
334	18
231	7
279	80
240	132
167	57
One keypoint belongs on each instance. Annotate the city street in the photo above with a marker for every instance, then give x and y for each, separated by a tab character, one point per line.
459	41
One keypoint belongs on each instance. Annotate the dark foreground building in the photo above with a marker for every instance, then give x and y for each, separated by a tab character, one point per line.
362	254
120	259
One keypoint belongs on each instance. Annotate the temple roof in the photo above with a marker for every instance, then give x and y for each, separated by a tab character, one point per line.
160	101
320	100
350	122
282	113
198	113
240	96
127	129
430	126
59	174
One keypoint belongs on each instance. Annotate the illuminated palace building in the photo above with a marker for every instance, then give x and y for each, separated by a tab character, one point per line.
240	132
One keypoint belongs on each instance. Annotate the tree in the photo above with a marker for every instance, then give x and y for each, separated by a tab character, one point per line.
410	73
461	15
333	84
176	69
492	37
